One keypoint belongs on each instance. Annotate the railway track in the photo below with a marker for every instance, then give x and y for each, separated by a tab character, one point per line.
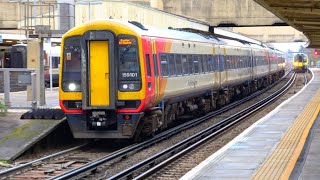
21	171
84	168
57	163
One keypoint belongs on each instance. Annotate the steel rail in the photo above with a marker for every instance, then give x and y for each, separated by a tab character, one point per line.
9	171
131	150
185	146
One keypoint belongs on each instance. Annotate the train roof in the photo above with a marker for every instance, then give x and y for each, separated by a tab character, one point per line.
183	34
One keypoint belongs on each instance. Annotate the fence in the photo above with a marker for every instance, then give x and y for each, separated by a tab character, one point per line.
14	83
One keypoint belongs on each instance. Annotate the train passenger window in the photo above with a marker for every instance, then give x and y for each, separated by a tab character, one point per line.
196	63
204	63
214	63
185	64
148	65
247	61
200	64
233	62
209	63
155	65
242	62
164	65
172	65
178	64
190	64
228	62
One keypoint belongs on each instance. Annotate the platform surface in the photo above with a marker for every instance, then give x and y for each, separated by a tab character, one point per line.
310	159
268	149
17	135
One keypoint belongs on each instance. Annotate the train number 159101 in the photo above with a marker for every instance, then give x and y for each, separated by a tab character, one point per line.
129	75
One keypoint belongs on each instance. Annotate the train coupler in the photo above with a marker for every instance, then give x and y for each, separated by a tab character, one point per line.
99	120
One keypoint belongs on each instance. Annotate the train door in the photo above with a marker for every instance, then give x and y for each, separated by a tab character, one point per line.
222	67
249	55
150	72
269	58
253	64
215	51
101	88
156	71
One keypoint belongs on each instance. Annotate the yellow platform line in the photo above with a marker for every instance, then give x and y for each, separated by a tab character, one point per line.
281	162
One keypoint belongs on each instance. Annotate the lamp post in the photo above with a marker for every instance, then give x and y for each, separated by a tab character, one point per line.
89	3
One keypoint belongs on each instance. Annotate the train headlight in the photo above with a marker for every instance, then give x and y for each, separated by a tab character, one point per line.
72	87
125	86
130	86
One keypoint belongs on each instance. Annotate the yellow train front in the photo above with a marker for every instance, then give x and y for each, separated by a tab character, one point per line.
300	62
96	102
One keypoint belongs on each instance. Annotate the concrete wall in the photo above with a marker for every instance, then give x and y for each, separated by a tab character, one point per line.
8	14
215	12
132	12
271	34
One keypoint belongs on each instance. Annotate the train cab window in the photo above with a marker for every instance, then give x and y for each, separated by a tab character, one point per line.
190	64
172	65
164	65
128	62
185	64
196	64
148	65
71	68
178	64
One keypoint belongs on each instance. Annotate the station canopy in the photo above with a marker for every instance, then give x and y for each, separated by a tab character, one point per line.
303	15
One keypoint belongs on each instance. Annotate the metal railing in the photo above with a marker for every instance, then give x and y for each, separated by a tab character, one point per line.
13	85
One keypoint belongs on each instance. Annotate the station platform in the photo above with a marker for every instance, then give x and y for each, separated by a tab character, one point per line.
285	144
17	135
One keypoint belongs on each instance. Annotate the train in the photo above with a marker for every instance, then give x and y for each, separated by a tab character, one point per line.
300	62
124	80
16	57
